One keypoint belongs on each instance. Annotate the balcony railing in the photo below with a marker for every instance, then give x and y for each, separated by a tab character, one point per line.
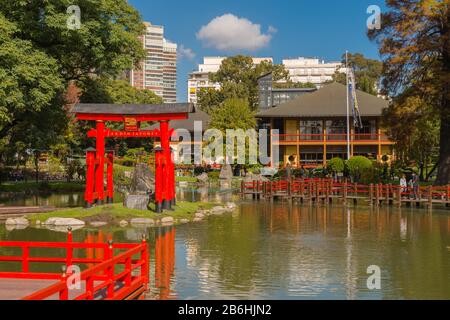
336	137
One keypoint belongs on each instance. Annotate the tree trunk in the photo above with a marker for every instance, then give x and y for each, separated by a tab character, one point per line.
443	175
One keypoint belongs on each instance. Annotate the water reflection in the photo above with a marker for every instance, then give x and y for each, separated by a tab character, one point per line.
288	251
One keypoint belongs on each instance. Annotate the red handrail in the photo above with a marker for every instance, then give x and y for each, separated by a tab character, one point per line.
103	271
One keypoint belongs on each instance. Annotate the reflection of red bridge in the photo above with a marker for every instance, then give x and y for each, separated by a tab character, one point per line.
114	271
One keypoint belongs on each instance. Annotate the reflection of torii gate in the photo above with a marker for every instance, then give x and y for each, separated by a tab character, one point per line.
131	116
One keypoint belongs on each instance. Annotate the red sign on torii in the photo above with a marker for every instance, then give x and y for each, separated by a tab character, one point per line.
131	116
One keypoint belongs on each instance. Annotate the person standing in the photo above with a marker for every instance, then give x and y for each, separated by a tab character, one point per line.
415	182
288	171
403	184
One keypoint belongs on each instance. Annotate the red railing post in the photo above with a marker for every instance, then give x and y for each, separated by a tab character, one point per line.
100	160
159	180
69	250
145	268
64	293
109	177
25	256
90	177
90	288
110	272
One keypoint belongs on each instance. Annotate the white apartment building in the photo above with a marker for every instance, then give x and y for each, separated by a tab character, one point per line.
158	72
200	79
303	70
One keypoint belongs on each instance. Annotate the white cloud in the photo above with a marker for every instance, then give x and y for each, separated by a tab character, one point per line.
184	52
231	33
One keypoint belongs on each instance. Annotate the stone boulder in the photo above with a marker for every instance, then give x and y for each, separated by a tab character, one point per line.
142	221
199	215
136	201
226	173
167	221
17	222
203	178
64	222
143	181
123	223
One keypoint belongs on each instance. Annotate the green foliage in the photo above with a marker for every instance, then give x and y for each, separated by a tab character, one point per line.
357	165
414	45
290	84
104	90
367	72
34	188
336	165
414	125
29	81
238	77
214	175
183	210
233	114
40	56
122	176
107	42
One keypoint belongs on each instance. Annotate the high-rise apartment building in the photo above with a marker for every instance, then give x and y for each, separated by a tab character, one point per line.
158	72
303	70
200	79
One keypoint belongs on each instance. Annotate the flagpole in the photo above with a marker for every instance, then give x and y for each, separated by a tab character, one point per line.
348	107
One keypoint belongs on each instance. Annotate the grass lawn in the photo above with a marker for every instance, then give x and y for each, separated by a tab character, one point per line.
32	186
117	212
186	179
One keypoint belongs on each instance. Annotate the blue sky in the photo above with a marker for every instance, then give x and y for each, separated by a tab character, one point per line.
288	28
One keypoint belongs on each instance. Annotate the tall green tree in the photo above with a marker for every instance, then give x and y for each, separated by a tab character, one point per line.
238	77
106	44
233	114
367	72
105	90
414	126
414	42
40	56
29	82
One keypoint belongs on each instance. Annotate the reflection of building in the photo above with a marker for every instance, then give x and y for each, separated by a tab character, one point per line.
158	72
305	70
313	127
200	79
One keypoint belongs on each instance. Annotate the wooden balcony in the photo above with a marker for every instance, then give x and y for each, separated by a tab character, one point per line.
331	139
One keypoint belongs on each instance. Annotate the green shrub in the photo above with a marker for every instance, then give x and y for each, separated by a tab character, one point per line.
336	165
357	165
214	175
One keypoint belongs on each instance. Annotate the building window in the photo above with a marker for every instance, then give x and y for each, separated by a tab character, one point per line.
336	130
311	130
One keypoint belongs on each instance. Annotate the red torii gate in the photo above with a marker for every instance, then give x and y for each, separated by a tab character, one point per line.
131	116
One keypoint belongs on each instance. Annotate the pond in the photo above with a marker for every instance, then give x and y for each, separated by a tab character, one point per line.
282	251
185	192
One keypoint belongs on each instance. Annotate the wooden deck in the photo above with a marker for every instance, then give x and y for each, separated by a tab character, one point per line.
16	289
14	212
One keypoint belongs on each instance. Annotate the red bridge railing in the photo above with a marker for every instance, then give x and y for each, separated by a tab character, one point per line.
98	281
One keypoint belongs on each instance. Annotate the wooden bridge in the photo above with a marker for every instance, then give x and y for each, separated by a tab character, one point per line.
328	190
116	274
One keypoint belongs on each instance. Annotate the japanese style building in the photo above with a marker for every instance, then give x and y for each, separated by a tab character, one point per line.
313	127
